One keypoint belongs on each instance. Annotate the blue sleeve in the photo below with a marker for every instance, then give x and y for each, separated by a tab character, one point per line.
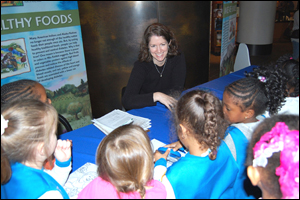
161	161
63	164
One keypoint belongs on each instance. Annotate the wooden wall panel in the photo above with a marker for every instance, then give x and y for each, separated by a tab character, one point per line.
112	31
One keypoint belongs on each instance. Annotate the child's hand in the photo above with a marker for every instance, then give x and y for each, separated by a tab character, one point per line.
63	150
175	145
158	155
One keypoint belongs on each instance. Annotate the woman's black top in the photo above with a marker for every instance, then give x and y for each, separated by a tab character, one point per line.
145	80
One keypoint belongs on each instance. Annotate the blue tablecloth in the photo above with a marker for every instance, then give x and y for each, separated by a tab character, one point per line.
86	139
218	85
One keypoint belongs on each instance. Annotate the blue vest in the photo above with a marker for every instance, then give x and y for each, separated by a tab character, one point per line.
29	183
241	145
195	177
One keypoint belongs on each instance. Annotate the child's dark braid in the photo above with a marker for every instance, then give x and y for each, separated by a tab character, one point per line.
21	89
211	127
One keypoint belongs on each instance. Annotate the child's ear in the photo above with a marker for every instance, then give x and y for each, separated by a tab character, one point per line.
249	113
40	149
253	175
183	131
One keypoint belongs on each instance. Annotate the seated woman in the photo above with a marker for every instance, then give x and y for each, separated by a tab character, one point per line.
160	70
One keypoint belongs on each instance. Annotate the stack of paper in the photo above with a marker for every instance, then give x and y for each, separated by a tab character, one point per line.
117	118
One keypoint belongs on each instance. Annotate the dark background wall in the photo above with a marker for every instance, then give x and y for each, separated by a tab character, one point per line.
112	31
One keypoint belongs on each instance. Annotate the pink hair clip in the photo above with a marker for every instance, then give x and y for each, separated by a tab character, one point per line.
4	124
262	79
281	139
291	58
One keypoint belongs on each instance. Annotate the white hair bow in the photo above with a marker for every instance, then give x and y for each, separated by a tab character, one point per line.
4	124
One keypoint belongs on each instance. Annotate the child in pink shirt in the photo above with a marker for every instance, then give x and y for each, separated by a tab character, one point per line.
125	167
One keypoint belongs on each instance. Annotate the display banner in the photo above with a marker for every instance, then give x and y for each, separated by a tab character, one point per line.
41	41
228	37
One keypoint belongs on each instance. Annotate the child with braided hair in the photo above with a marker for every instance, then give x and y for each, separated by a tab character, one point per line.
289	69
207	170
273	157
23	89
243	102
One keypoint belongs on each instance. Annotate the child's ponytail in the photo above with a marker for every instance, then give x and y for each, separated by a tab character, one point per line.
211	125
274	80
142	190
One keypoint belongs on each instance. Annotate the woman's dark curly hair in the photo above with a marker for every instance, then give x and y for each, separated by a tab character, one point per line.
269	179
291	68
258	95
157	29
201	113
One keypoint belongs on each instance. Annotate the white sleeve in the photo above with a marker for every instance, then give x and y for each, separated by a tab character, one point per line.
51	195
60	174
160	175
291	106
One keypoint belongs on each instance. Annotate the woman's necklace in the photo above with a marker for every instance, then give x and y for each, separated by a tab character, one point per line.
162	69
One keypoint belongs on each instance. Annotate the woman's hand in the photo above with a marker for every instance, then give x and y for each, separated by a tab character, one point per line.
175	145
158	155
167	100
63	150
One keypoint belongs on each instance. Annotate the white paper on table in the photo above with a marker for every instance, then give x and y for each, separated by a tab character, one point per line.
80	178
117	118
155	144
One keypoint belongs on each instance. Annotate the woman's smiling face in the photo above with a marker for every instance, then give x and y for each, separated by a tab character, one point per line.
158	47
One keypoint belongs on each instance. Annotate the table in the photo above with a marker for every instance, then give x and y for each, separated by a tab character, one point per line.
217	86
86	139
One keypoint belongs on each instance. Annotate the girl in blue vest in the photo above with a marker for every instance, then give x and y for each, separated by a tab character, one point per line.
208	169
28	138
244	102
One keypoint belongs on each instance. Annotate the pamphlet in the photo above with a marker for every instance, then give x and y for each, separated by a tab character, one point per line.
80	178
117	118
